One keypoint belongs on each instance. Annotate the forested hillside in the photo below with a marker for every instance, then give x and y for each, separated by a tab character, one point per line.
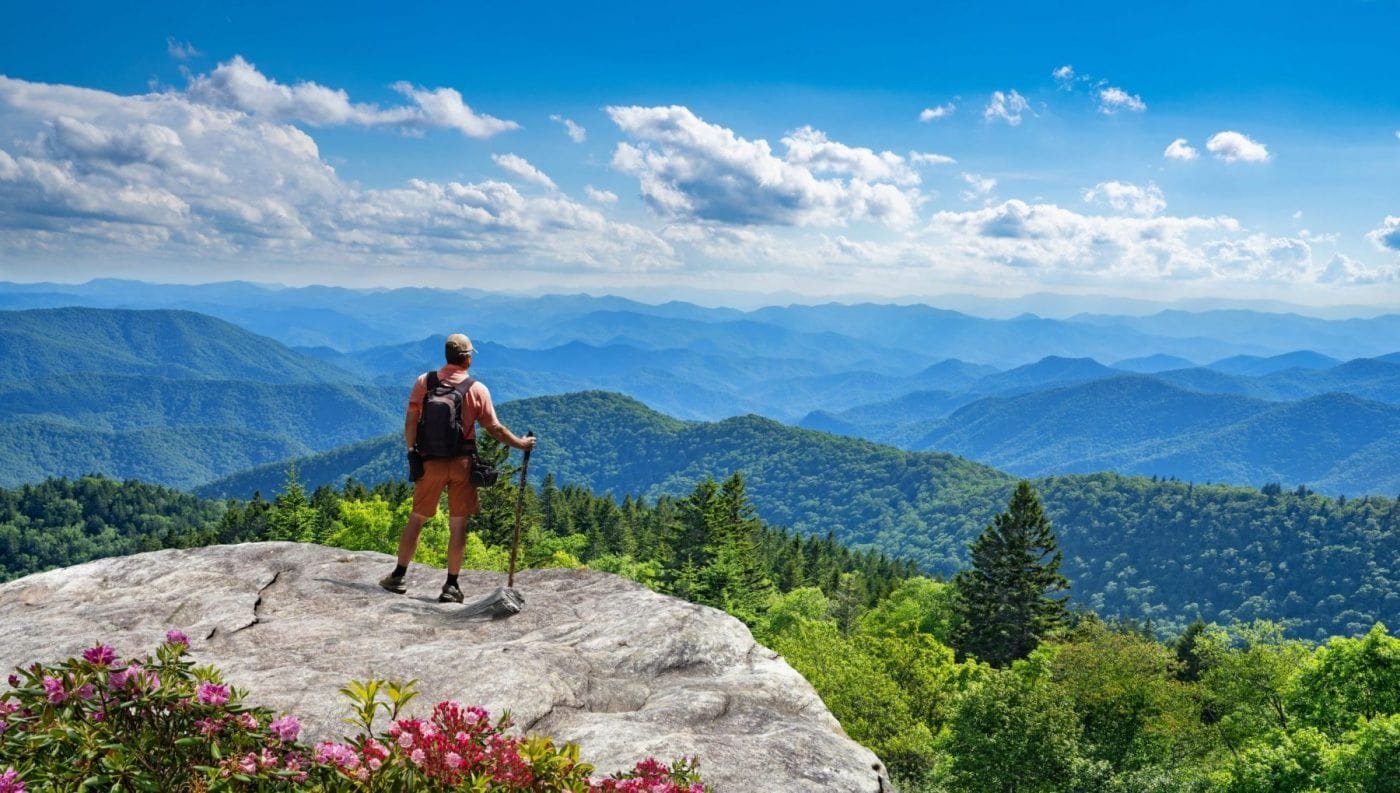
1139	425
168	397
1161	550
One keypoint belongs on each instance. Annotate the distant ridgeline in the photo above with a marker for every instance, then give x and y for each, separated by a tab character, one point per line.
1149	550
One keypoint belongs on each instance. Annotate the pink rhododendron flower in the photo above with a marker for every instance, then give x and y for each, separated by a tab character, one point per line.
286	728
53	688
336	754
406	740
249	764
86	692
211	693
247	721
417	756
117	678
454	760
101	655
176	637
10	782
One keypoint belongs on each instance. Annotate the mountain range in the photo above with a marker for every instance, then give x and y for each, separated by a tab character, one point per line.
1298	417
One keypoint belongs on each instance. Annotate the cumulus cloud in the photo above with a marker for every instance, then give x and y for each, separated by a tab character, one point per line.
929	158
978	187
1127	197
600	196
1064	75
1342	269
1232	146
1112	99
689	169
1048	238
181	50
1387	237
576	133
1006	107
238	85
1179	149
521	169
96	172
936	112
1260	256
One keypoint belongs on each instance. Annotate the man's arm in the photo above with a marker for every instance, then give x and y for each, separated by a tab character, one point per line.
503	434
410	428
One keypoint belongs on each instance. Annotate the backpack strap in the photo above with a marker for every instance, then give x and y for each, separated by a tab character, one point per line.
432	380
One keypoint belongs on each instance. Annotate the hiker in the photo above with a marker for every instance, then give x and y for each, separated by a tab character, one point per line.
445	457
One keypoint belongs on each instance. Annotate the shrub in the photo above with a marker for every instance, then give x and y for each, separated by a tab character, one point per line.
163	724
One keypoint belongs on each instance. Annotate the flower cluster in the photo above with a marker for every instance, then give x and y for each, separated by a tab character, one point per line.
455	741
652	776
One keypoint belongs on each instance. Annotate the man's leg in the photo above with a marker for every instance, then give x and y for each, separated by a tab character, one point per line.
456	543
408	541
426	492
456	549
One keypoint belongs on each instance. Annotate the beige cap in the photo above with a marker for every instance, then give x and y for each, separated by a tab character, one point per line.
458	345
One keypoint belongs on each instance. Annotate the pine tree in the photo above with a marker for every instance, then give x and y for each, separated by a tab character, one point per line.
1007	601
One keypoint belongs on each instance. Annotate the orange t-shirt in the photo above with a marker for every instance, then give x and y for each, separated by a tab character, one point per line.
476	403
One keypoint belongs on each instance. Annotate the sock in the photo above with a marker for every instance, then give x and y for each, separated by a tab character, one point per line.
451	580
400	571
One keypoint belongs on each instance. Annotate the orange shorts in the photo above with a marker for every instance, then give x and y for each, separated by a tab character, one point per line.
453	474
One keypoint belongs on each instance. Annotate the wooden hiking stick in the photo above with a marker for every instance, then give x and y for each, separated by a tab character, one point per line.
519	507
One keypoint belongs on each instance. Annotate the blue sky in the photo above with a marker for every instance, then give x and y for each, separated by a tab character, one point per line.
900	151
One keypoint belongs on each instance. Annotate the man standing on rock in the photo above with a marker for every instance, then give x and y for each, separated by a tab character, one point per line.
439	429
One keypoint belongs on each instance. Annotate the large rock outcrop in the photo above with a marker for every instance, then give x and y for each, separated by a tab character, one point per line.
593	659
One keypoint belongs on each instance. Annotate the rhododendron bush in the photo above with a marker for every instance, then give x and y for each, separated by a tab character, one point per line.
160	723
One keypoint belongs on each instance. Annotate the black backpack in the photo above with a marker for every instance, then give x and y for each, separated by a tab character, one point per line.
440	423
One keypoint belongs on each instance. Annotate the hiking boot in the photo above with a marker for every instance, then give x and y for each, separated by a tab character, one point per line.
393	583
451	593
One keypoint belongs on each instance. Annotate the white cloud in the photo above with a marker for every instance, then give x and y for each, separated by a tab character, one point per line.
929	158
1387	237
1111	100
1261	257
690	169
576	133
1127	197
600	196
1232	146
181	50
811	149
521	169
1179	149
164	177
937	112
978	186
1048	239
1006	107
1342	269
1064	75
238	85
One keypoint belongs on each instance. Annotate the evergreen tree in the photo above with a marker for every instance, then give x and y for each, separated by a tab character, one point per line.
1006	601
292	516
